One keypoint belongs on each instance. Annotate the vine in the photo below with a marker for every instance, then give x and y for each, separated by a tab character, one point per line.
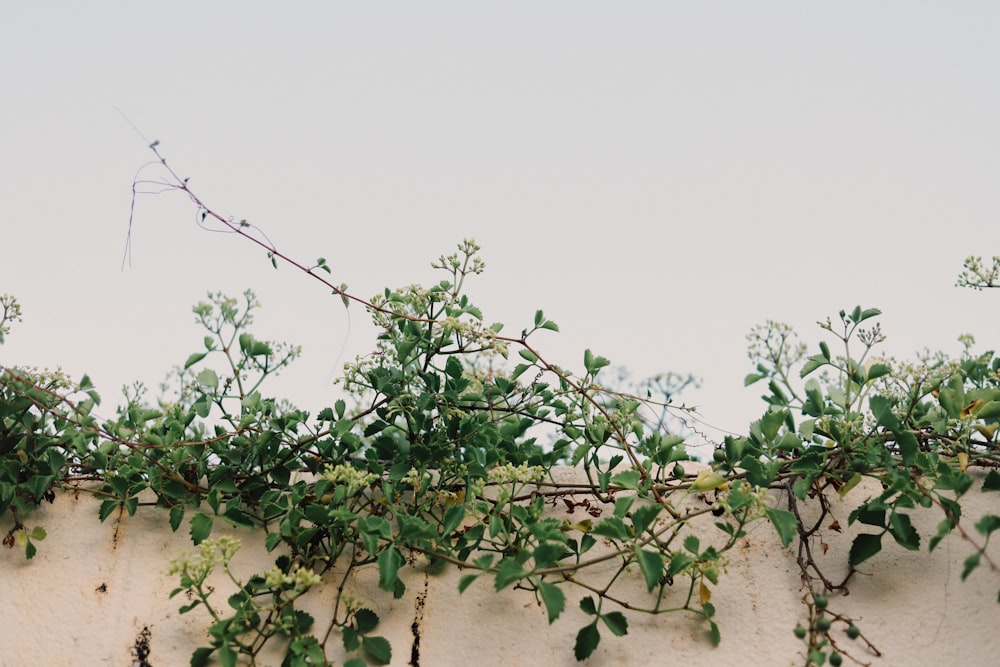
442	451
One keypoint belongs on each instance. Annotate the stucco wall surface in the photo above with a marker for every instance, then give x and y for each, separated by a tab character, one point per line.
98	594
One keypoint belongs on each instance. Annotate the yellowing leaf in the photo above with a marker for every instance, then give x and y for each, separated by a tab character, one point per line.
849	484
704	593
707	480
584	526
963	461
971	408
987	431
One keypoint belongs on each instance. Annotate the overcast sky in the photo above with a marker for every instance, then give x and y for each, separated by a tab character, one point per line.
657	176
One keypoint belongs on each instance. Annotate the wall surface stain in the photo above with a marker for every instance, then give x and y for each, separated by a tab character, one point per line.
418	620
141	648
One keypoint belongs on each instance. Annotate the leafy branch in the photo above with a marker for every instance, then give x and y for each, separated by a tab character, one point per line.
441	453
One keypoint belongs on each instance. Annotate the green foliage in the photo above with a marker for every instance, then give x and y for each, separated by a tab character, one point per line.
440	454
913	427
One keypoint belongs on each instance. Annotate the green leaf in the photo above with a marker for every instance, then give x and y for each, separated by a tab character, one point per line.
644	516
989	410
202	406
351	639
908	447
593	364
952	397
106	508
201	527
553	598
868	516
227	656
627	479
677	564
651	565
131	505
193	359
713	633
465	581
864	547
903	531
971	563
201	656
616	622
208	378
751	378
944	527
814	404
988	523
587	640
612	527
238	517
877	371
771	421
757	473
825	349
508	572
881	407
519	371
176	516
452	517
389	562
812	363
378	649
587	605
246	343
453	367
547	553
784	522
623	505
528	355
868	313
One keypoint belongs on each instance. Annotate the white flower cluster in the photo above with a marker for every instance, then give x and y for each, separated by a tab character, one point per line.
917	378
509	473
508	476
349	476
755	508
53	380
415	478
776	343
196	566
300	578
10	311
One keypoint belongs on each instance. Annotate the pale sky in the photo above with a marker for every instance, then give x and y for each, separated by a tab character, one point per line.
659	177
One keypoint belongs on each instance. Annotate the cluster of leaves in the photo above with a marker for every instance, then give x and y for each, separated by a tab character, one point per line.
914	427
444	456
441	454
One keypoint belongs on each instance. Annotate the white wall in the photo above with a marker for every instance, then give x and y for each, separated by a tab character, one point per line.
95	588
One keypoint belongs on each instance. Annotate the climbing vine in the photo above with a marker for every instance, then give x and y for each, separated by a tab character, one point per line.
442	453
